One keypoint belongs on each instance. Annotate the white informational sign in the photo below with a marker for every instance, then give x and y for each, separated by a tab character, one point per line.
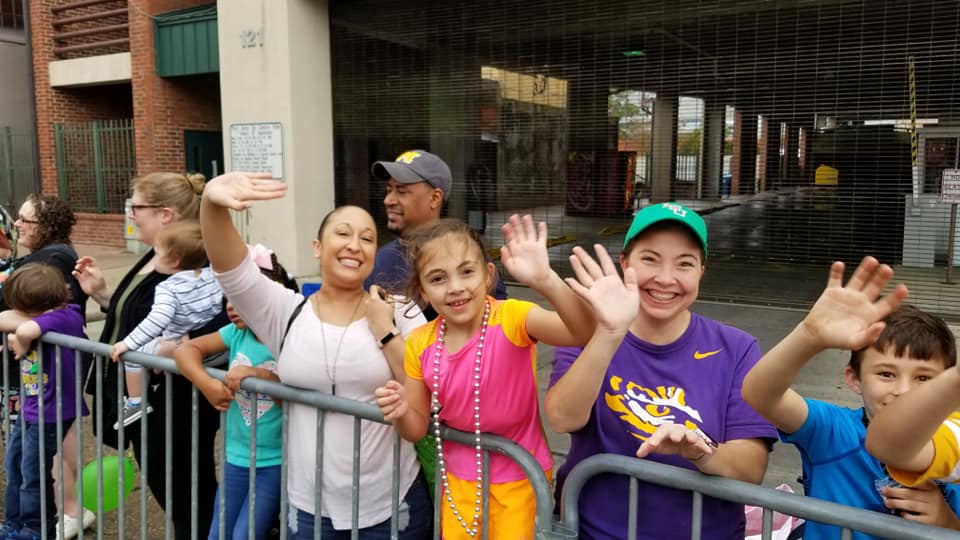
950	188
257	148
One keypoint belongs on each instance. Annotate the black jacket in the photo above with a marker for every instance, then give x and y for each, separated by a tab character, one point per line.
135	309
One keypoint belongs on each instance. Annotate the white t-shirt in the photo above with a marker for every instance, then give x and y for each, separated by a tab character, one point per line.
358	369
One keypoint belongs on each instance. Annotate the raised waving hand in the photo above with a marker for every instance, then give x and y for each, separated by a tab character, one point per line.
238	190
851	316
615	301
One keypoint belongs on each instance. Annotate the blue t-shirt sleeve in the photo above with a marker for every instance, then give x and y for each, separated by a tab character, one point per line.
952	493
819	431
563	358
390	269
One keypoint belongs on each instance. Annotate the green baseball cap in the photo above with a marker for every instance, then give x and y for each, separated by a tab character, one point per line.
668	211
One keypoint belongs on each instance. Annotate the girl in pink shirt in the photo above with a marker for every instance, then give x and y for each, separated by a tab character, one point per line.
474	367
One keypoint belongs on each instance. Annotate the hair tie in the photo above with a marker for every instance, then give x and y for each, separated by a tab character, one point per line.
261	256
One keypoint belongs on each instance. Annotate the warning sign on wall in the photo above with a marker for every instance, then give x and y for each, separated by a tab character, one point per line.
257	148
950	187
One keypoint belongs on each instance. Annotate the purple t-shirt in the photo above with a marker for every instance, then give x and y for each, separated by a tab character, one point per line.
68	320
695	380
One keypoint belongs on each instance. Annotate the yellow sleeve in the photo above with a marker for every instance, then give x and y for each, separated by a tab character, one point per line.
511	316
415	344
946	457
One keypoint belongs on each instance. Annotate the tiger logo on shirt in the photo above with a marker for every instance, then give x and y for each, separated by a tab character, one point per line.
645	409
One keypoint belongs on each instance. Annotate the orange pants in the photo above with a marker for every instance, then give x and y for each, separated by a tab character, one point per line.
512	507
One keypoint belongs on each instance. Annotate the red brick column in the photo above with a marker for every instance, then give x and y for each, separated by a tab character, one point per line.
164	108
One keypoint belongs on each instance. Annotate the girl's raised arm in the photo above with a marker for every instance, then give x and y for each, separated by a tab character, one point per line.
525	256
616	304
225	248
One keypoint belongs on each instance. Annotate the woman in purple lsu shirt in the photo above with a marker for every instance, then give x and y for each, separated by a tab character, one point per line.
659	382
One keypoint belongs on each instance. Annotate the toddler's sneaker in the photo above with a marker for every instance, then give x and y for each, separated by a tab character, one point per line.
130	414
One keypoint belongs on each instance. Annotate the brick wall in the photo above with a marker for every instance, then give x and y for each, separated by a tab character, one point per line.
56	105
162	109
99	229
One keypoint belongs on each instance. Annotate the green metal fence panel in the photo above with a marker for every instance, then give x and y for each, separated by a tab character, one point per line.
18	166
95	162
186	42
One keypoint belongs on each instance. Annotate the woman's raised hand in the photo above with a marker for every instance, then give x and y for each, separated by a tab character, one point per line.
89	276
524	253
615	301
239	190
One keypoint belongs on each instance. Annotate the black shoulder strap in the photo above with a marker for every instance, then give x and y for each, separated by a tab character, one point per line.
296	312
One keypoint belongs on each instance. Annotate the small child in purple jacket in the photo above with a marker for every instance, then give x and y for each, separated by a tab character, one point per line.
38	295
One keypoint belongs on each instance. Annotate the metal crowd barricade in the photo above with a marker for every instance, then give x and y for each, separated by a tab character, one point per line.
846	517
287	394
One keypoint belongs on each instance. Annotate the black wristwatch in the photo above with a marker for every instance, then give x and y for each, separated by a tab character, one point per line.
388	336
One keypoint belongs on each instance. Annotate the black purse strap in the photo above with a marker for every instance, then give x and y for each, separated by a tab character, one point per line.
296	312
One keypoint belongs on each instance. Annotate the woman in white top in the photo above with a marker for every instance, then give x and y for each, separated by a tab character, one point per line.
342	342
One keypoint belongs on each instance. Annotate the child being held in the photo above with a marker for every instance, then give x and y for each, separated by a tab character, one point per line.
185	301
894	348
248	358
918	436
474	367
38	295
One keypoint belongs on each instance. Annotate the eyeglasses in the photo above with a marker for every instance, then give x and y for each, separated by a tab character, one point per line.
135	207
22	219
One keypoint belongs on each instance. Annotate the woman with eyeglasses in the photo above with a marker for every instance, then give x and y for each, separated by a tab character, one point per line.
158	199
43	225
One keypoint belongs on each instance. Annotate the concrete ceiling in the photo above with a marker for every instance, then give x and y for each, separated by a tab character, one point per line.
787	60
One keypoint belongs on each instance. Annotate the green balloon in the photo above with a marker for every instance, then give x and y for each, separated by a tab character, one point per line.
111	482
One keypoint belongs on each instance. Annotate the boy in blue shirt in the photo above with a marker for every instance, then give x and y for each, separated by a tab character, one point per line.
894	348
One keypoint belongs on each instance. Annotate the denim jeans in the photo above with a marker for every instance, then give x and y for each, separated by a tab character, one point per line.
416	520
236	508
22	465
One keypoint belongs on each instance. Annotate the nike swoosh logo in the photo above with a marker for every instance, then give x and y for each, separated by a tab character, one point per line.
697	355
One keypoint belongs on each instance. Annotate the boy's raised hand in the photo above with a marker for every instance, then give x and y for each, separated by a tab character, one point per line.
851	316
524	252
239	190
615	302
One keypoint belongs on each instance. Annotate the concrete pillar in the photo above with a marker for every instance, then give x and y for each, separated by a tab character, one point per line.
593	185
798	158
664	147
771	176
282	75
454	115
714	117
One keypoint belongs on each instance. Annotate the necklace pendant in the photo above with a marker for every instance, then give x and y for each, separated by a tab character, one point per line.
333	389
